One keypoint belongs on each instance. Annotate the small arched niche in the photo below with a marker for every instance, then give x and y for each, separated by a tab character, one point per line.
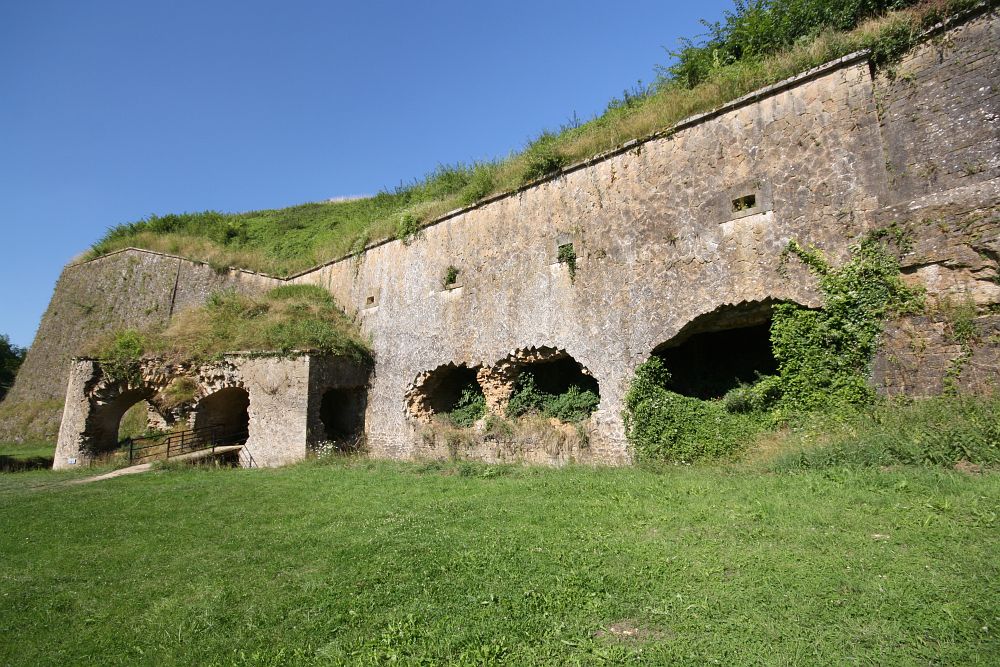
226	412
720	350
439	392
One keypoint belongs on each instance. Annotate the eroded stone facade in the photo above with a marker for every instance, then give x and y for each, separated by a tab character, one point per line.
282	408
672	231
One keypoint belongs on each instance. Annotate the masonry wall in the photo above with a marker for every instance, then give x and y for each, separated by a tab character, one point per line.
131	288
658	241
825	156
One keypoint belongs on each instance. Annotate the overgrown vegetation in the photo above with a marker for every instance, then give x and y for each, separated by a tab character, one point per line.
574	404
287	318
470	407
663	425
11	357
758	43
823	363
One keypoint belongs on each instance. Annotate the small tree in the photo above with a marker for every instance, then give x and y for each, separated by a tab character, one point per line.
11	357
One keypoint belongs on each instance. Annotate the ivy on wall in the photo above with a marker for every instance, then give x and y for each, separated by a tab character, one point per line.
824	358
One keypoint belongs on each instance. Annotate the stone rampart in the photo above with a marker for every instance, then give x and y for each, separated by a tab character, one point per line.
681	233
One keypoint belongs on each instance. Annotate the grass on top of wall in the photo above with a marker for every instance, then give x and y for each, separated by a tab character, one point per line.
290	317
758	44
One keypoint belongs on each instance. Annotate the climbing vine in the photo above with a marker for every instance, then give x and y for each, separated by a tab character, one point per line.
824	358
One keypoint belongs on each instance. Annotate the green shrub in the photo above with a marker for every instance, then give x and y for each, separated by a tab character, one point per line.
573	405
470	407
567	255
755	29
121	355
665	426
450	276
542	158
408	228
11	357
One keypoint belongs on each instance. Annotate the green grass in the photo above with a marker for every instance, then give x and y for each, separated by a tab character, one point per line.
16	456
284	241
942	431
290	317
370	563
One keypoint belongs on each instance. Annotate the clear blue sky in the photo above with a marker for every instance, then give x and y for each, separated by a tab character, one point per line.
113	110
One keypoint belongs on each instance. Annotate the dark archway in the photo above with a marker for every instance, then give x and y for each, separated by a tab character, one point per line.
438	392
342	412
720	350
557	376
227	412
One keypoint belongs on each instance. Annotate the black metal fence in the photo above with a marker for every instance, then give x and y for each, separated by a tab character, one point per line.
177	443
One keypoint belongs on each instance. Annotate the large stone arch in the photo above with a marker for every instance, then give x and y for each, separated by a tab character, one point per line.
92	418
720	349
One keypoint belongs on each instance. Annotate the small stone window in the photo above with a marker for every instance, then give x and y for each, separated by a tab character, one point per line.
744	199
741	204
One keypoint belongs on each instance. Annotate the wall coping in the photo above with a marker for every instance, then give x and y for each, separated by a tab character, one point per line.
691	121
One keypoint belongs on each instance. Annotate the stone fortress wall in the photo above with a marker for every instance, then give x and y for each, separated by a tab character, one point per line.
675	235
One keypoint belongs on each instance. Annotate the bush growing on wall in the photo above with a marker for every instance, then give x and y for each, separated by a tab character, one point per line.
470	407
824	358
573	405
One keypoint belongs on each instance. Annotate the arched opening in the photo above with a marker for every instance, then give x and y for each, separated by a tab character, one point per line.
342	412
549	382
105	427
720	350
226	413
135	422
443	391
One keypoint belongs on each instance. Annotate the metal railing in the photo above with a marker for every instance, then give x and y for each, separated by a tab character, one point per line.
154	447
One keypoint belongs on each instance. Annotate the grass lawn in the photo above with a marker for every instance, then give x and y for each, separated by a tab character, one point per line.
17	456
378	562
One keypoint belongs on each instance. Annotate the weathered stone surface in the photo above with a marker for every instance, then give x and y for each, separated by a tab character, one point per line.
662	248
920	356
282	393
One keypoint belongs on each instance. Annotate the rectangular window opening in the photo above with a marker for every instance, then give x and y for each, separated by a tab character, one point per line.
744	203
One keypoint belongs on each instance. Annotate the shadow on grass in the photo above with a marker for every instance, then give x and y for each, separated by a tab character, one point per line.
20	464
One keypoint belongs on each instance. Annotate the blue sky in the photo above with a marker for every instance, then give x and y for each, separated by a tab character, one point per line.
113	110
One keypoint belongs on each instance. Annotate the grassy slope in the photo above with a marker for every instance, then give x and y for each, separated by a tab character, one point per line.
284	241
350	564
290	317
